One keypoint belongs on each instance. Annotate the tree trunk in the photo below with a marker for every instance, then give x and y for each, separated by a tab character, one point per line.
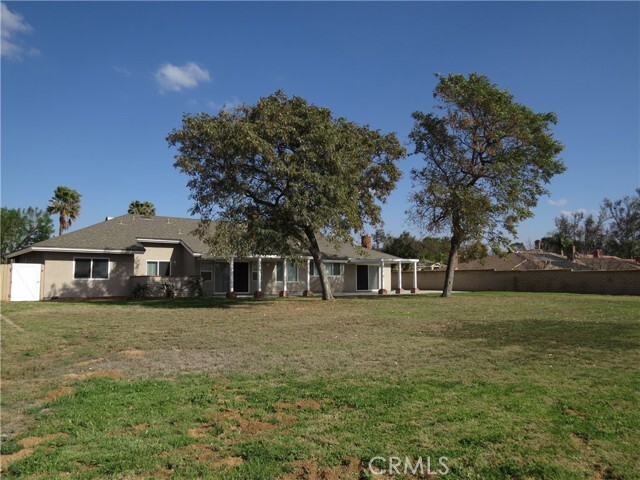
451	263
314	250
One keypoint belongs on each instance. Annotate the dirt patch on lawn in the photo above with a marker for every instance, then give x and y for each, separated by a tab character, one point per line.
310	470
132	353
239	422
284	418
58	392
204	453
91	361
112	374
234	421
28	445
303	404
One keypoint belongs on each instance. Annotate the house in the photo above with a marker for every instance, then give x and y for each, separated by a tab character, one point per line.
110	258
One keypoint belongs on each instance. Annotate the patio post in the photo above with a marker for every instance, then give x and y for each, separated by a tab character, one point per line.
284	292
258	293
415	278
399	287
382	291
231	293
308	292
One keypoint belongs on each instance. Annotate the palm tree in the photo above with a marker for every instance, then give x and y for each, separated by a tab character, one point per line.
65	203
137	207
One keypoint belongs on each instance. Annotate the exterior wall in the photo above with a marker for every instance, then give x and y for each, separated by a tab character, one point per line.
182	262
58	278
607	282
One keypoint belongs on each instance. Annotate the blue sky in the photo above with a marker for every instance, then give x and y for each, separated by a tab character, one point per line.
90	90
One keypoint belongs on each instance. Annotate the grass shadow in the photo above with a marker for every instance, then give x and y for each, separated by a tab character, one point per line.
550	334
175	303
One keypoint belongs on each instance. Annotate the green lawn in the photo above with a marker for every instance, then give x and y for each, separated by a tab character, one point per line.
503	385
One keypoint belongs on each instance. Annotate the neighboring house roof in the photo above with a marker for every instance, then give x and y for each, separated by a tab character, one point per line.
608	263
127	233
540	260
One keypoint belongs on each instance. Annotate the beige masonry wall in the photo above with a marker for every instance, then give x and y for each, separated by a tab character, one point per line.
607	282
182	262
58	278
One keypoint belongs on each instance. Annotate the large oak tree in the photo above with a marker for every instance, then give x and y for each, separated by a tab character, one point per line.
487	161
280	174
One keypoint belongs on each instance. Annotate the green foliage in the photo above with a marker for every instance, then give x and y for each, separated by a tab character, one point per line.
168	290
407	246
623	232
66	204
487	161
195	288
147	209
281	173
142	290
473	251
615	229
22	228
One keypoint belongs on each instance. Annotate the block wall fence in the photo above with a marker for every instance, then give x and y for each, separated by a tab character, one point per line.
607	282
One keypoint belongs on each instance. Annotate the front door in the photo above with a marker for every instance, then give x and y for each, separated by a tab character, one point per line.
362	277
241	277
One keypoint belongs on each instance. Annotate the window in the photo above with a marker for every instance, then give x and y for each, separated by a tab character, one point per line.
87	268
292	272
333	269
156	267
206	271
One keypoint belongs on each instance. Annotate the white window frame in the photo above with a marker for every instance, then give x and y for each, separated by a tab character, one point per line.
91	271
157	262
290	268
314	271
210	262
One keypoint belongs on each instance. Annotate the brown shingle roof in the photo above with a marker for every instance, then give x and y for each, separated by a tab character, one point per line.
124	232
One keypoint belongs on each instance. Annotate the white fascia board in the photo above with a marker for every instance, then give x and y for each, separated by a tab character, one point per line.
73	250
375	261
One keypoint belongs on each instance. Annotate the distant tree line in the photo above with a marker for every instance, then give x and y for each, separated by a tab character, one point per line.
614	229
433	249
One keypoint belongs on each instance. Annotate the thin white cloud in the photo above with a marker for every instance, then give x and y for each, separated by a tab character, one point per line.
172	78
122	71
13	24
558	203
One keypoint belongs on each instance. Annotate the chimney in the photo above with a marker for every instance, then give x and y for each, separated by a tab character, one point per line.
366	242
538	245
108	218
596	253
571	252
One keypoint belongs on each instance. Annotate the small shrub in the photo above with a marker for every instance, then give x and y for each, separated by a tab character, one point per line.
168	290
194	286
141	291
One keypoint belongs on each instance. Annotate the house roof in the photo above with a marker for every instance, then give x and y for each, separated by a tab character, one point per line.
541	260
128	233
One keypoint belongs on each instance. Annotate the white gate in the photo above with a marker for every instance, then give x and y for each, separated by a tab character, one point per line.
25	282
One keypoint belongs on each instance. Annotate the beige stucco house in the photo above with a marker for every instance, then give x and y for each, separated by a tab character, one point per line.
110	258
